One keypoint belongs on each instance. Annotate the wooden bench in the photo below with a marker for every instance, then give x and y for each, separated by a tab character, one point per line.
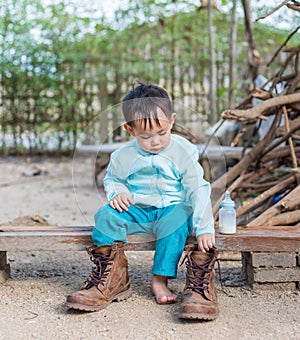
77	238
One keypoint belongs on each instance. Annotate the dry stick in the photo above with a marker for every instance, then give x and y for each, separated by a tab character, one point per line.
287	125
293	123
281	47
273	10
281	140
210	138
279	75
233	186
294	84
263	218
257	174
294	7
265	195
279	153
297	62
246	101
261	172
251	176
285	218
257	111
291	204
238	137
243	164
261	186
291	49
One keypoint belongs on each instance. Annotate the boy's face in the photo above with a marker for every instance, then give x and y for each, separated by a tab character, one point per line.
156	138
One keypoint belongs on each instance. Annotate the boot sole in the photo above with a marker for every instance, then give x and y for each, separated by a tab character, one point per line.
197	316
120	297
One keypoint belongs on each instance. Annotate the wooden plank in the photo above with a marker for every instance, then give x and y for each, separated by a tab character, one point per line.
71	228
49	238
43	228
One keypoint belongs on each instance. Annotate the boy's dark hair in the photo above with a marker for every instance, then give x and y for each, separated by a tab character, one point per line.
141	104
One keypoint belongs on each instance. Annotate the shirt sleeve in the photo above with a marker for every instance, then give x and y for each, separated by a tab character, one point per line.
114	181
198	192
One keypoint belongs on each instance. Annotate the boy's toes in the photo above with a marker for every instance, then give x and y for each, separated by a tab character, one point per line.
172	298
163	300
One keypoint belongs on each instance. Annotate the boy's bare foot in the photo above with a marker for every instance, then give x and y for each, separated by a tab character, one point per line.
159	288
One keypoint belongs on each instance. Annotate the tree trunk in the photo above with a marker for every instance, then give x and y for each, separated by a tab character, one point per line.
232	56
213	117
253	55
103	89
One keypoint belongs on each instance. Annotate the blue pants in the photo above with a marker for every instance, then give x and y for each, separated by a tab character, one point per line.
171	226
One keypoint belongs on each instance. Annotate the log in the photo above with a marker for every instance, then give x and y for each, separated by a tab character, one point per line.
265	195
243	164
293	123
257	111
251	176
281	140
287	218
279	153
259	186
275	209
291	204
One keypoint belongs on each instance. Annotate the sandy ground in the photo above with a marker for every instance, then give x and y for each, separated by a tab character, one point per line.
32	300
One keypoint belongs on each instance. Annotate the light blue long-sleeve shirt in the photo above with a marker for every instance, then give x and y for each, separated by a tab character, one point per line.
172	176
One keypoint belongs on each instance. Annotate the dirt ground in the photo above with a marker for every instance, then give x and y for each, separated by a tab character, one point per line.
32	300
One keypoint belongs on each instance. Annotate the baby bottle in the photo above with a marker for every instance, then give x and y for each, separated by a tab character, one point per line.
227	215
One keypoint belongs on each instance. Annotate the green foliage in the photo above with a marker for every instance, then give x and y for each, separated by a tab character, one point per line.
61	66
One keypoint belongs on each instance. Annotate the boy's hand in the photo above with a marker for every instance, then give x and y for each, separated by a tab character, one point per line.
121	202
206	242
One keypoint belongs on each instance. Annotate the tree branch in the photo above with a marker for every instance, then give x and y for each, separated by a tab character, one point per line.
243	164
294	7
275	209
257	111
273	10
280	140
281	47
287	126
265	195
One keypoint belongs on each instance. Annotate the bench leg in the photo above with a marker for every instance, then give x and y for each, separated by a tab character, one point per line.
4	267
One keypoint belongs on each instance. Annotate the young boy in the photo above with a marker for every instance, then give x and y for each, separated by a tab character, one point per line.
154	185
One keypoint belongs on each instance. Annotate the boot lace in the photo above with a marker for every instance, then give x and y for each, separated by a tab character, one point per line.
198	275
100	271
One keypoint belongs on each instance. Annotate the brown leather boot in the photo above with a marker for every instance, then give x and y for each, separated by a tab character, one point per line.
199	296
109	280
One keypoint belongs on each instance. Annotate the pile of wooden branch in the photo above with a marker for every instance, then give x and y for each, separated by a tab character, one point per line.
266	181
